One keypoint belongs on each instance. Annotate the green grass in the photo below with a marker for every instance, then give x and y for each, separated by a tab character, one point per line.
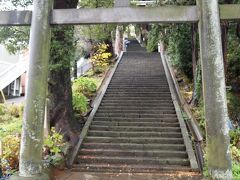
13	126
10	119
236	170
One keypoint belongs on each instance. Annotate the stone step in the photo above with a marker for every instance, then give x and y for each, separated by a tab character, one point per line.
119	107
133	160
137	140
138	104
166	119
134	146
135	128
124	168
145	93
135	115
139	82
135	153
139	123
138	92
133	134
139	95
123	79
153	101
137	98
119	77
106	112
125	86
129	88
136	86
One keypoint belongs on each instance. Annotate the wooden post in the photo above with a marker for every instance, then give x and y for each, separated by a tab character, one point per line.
14	87
46	120
214	91
1	148
30	165
3	96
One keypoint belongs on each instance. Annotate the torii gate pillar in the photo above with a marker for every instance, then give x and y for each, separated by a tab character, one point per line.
30	165
214	91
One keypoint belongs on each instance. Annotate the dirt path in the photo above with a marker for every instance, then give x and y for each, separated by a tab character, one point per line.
68	175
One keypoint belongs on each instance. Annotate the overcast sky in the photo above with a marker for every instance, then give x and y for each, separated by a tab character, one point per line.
6	5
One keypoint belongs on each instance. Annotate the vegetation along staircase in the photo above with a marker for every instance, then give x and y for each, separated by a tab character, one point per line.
136	127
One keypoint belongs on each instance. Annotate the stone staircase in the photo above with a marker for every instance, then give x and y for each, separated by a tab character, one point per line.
135	128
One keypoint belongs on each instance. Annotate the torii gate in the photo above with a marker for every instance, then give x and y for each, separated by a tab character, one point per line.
207	13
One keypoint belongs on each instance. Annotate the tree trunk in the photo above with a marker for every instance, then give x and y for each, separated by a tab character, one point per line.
144	32
195	67
238	30
194	48
75	68
197	92
138	32
60	91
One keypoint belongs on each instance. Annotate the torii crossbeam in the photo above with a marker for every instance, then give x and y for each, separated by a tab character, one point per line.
164	14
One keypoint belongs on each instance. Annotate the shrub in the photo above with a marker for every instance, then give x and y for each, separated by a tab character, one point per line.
54	149
235	153
100	56
233	55
153	38
99	70
84	85
9	112
10	157
233	107
179	48
235	143
15	110
200	115
235	137
80	103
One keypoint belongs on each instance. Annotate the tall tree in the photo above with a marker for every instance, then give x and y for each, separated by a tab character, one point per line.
92	34
62	54
196	66
60	91
61	60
